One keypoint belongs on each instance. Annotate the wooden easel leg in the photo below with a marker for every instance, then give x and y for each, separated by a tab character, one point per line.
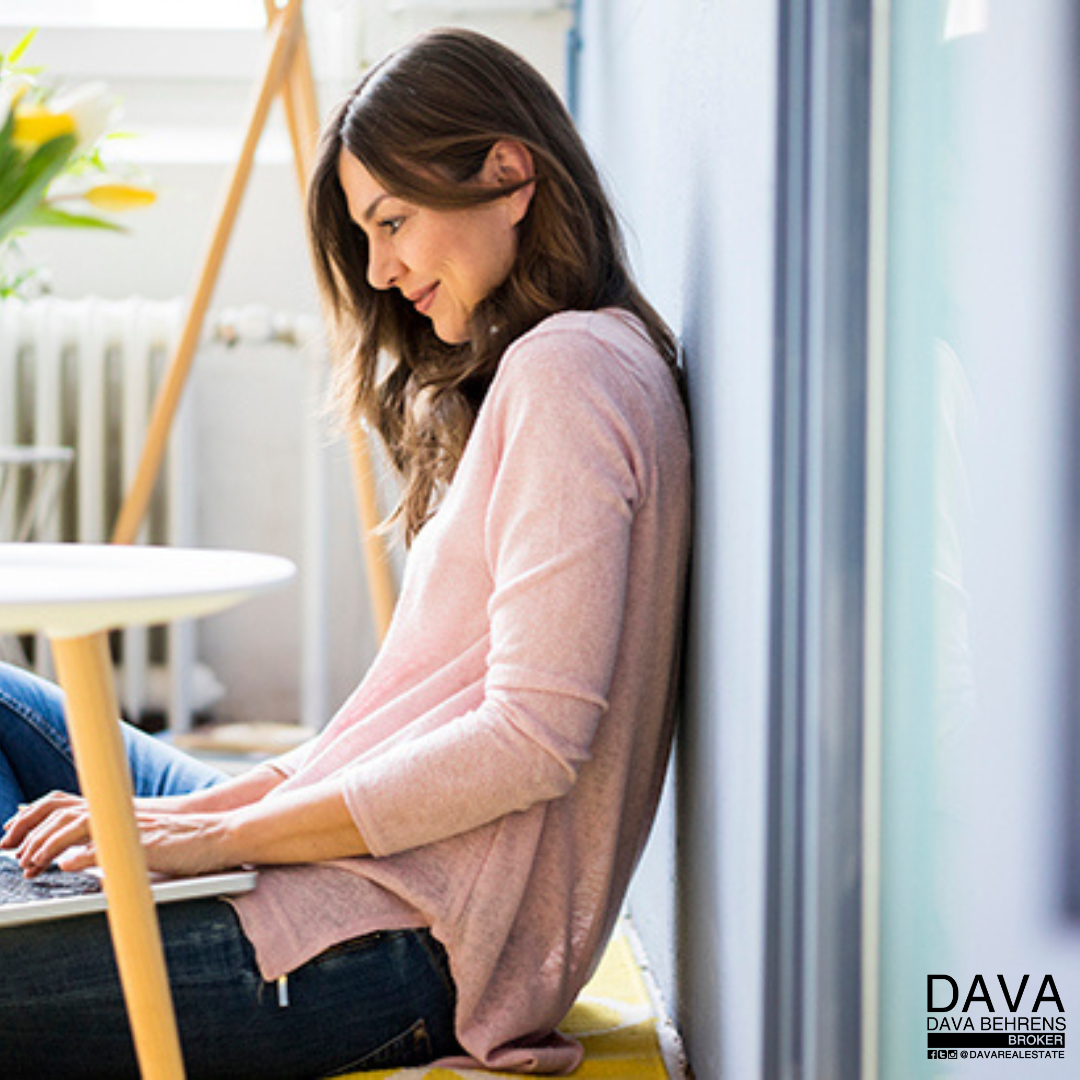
302	116
283	37
380	575
301	134
287	71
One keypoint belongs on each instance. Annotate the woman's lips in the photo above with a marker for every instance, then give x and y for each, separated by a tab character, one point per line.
423	300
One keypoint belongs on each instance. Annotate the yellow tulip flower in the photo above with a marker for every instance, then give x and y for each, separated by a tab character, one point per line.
36	125
115	198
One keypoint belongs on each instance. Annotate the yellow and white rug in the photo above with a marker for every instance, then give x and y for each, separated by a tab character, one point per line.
613	1018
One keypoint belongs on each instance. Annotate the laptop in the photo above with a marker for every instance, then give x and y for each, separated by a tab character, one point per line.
58	894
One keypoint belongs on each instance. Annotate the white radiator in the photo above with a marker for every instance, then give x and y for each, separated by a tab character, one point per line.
82	374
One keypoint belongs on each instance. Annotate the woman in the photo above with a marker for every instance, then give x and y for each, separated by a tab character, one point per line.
442	866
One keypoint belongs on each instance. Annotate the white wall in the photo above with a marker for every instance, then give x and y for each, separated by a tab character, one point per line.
678	102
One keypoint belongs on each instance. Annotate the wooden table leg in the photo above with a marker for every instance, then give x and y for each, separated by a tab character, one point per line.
84	669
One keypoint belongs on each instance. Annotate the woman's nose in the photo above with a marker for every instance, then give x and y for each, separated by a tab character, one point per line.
384	267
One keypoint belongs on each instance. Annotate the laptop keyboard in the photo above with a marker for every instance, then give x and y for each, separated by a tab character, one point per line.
48	885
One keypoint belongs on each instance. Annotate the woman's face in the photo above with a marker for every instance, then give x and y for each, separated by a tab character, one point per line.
444	262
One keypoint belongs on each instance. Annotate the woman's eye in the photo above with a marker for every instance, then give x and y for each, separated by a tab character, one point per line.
391	225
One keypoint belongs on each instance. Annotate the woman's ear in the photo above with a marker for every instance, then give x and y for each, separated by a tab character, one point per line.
509	163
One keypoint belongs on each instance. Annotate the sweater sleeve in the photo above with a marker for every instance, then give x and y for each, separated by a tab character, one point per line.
287	763
566	479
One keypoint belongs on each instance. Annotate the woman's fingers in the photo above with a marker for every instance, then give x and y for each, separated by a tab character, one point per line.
61	830
78	858
28	817
56	829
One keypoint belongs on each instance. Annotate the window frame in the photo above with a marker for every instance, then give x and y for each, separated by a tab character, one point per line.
816	869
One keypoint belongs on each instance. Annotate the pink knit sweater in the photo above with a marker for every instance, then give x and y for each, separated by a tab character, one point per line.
504	755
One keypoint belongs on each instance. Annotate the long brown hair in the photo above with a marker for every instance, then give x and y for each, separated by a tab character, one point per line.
422	123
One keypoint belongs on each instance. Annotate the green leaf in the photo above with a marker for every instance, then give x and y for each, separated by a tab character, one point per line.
49	216
13	284
15	55
8	154
8	130
10	160
47	160
90	162
33	180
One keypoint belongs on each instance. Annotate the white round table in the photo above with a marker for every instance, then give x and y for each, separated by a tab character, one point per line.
74	593
67	590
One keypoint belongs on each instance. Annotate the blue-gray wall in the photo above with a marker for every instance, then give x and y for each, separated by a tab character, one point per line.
677	99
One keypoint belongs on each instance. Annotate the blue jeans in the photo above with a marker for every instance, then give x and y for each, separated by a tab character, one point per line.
385	1000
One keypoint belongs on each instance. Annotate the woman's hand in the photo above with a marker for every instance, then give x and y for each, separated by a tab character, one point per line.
193	834
56	811
56	828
